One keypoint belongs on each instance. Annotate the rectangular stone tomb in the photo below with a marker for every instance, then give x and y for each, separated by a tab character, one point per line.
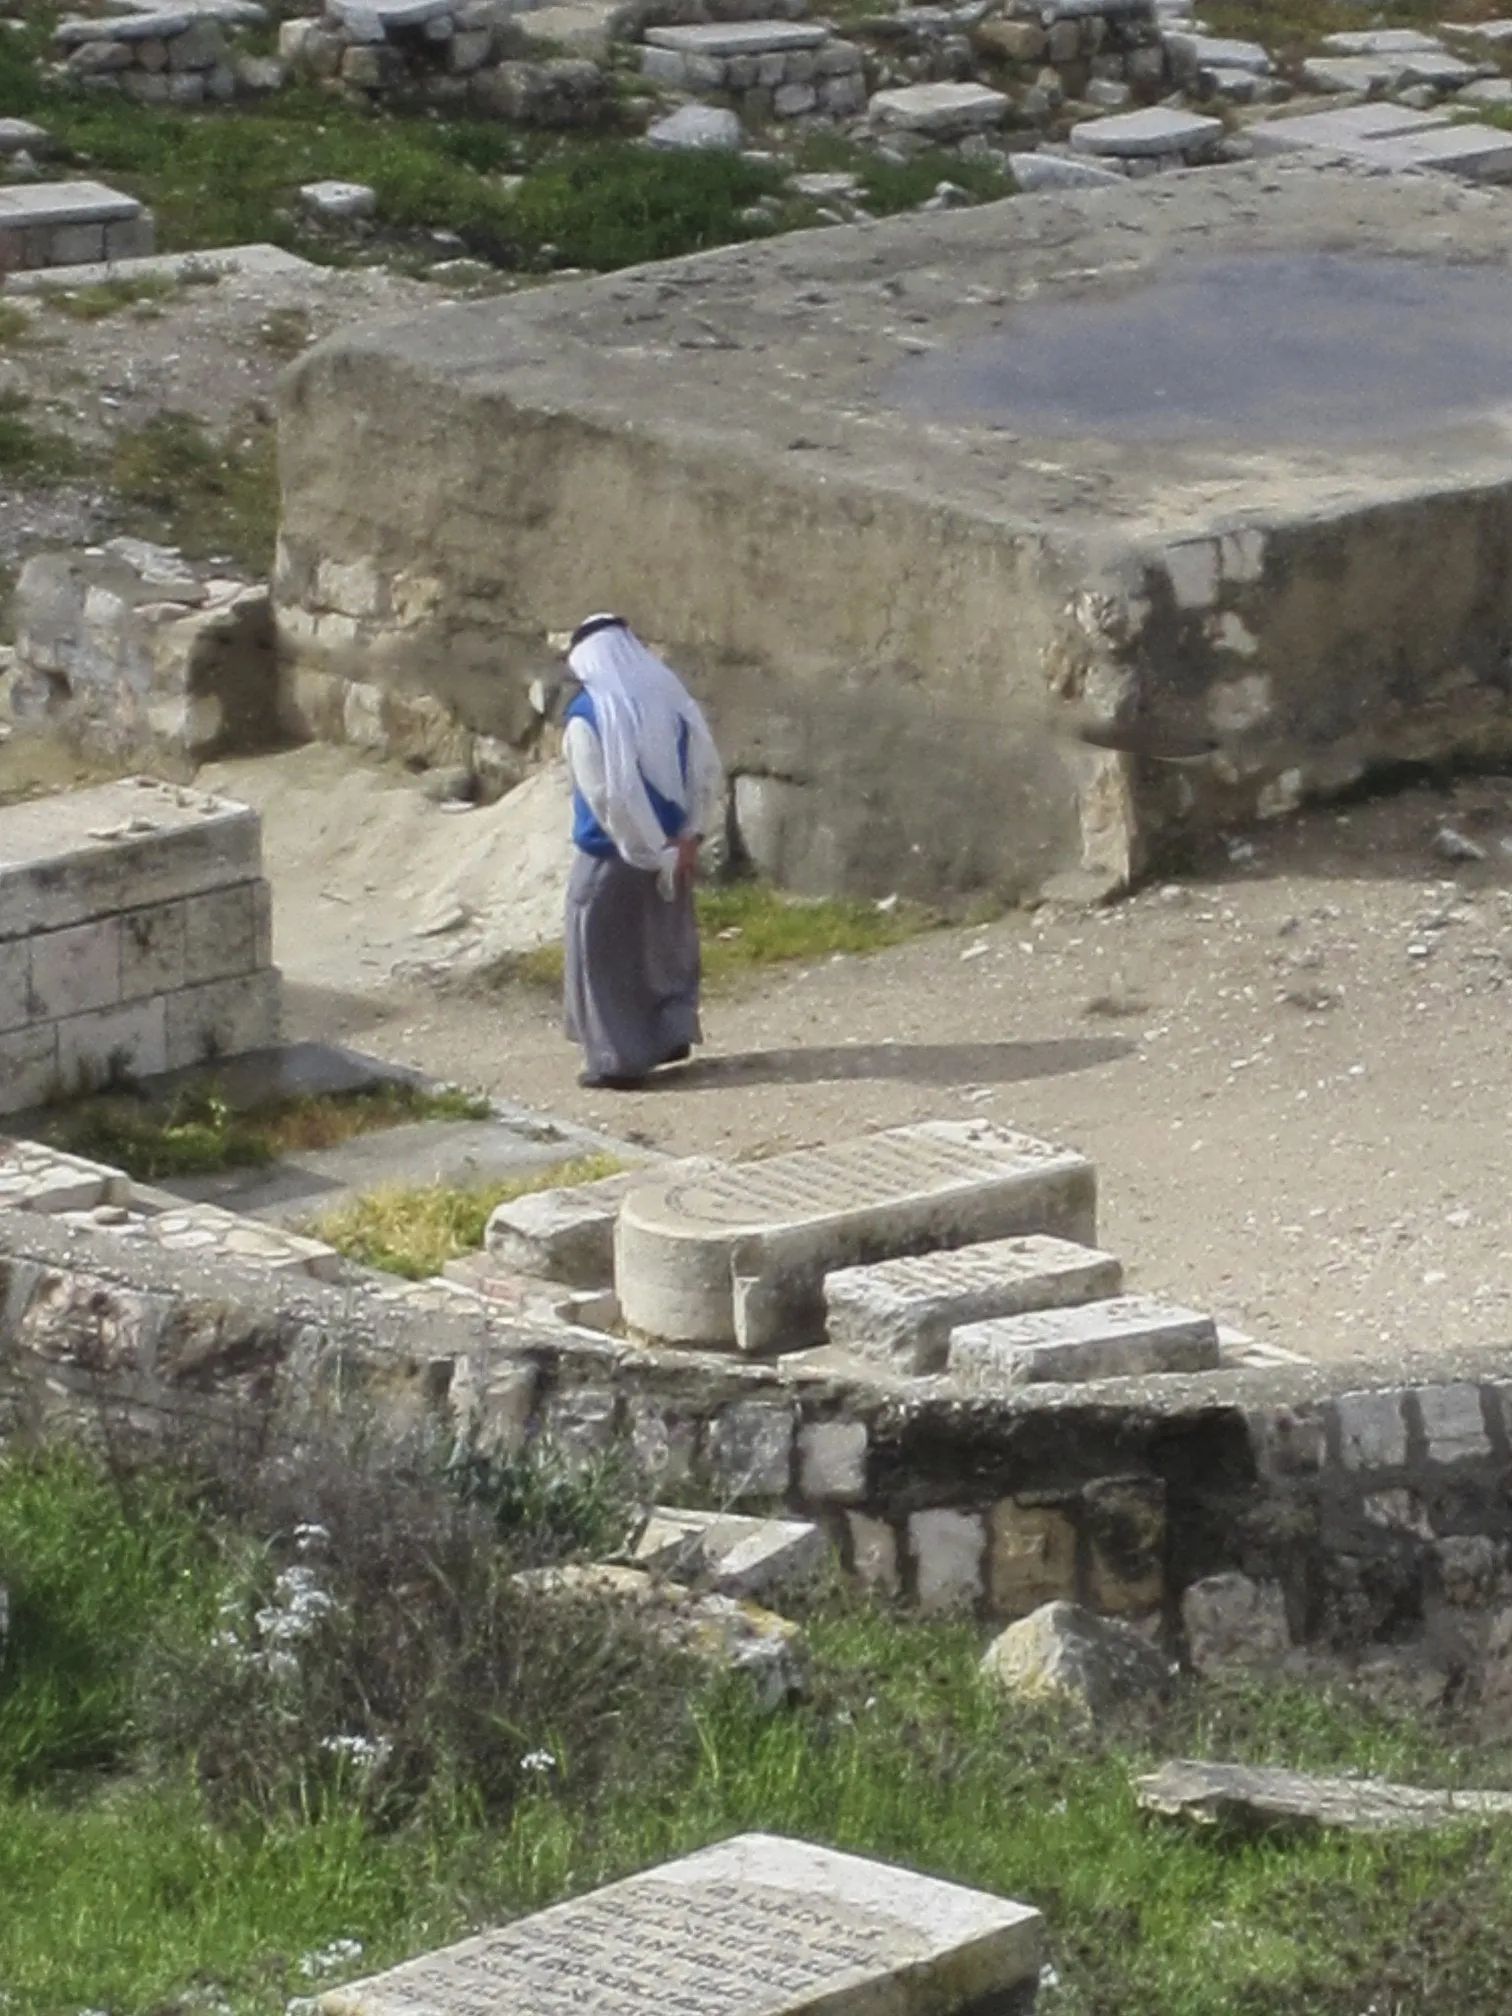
756	1926
1148	134
1129	1337
738	1255
70	224
903	1311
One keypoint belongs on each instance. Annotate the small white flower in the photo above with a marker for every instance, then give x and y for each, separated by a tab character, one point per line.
366	1752
1048	1978
308	1537
537	1761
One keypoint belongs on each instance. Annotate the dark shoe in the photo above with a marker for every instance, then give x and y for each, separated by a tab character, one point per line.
680	1055
608	1081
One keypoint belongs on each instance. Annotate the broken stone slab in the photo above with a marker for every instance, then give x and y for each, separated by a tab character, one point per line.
753	1926
48	1180
1127	1337
390	13
1192	55
699	128
338	199
20	136
730	1554
562	1235
1391	72
1476	153
940	111
1264	1798
1383	42
1339	132
739	38
903	1311
1044	170
721	1631
1496	33
1146	135
1493	91
1063	1652
737	1255
1232	1621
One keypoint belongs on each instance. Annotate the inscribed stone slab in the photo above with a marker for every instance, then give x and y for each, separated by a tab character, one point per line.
1126	1338
757	1926
902	1311
739	1254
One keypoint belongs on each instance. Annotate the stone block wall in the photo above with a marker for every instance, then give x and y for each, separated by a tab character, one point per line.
765	71
1247	1513
169	56
135	938
81	223
127	651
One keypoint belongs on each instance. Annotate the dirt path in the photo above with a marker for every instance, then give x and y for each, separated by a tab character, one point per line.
1294	1074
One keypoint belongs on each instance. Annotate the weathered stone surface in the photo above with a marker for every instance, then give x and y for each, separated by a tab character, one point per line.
698	127
1139	136
1263	1798
560	95
738	38
64	223
48	1180
903	1311
1128	1337
1042	170
732	1555
1383	42
940	111
339	199
1197	55
1064	1652
1388	72
1032	1557
561	1235
1340	131
747	1928
1231	1621
739	1255
1477	153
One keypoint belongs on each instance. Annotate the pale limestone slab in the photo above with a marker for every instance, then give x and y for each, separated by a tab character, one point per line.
756	1926
731	1554
84	854
1157	130
221	933
738	1254
49	1180
944	111
152	951
738	38
75	970
903	1311
15	986
111	1044
1128	1337
28	1066
1479	153
226	1018
1335	132
42	206
562	1235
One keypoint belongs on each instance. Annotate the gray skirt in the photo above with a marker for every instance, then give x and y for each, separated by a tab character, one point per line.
631	980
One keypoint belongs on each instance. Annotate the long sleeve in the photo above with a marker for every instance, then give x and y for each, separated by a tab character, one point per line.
706	784
640	841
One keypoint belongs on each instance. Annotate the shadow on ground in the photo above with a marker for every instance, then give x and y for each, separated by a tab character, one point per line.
915	1063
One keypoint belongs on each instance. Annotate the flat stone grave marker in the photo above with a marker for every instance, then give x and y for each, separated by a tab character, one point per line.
730	1554
738	38
903	1311
1128	1337
1479	153
1339	132
944	110
738	1254
756	1926
1146	135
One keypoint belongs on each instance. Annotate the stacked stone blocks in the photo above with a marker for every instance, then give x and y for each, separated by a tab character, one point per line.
168	55
70	224
766	69
134	939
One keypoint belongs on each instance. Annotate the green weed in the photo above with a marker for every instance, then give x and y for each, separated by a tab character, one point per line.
142	293
414	1232
30	453
176	484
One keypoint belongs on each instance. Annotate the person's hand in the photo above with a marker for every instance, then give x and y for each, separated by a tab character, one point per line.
687	860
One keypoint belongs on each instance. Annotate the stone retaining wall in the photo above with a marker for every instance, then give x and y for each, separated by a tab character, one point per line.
767	70
1298	1505
134	938
168	56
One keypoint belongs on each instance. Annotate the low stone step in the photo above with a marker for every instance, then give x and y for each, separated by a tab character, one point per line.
1129	1337
939	111
738	1254
70	224
901	1312
562	1235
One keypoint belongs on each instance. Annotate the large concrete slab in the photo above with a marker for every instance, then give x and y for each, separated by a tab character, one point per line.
901	1312
1079	428
737	1255
756	1926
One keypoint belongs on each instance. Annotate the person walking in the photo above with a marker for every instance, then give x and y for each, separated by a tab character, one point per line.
647	789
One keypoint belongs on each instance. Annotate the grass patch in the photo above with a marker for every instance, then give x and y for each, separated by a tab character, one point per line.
143	293
200	1133
489	1759
414	1232
177	485
745	925
886	187
29	453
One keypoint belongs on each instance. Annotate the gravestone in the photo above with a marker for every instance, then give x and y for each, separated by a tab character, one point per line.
70	224
1150	134
1128	1337
903	1311
737	1255
755	1926
1340	131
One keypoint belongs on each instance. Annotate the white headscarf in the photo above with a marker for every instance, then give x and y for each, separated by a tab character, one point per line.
641	708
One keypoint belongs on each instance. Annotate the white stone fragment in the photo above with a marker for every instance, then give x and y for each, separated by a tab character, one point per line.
1147	135
729	1553
562	1235
901	1312
1044	170
1191	55
338	199
739	38
942	111
699	128
1477	153
1128	1337
1339	132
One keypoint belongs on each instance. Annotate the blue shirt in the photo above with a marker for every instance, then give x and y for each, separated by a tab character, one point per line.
587	833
